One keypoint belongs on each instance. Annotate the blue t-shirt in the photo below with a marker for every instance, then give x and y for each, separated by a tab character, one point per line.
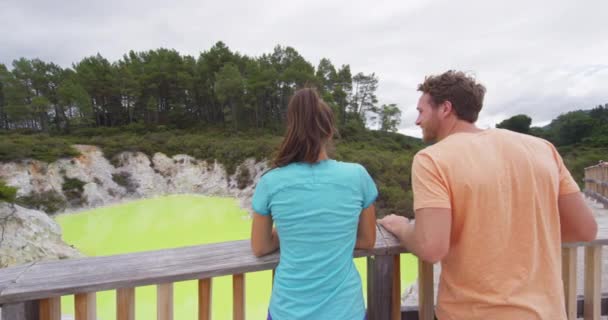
316	209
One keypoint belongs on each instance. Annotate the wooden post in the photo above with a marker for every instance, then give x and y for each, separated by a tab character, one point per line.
396	294
85	305
50	308
604	186
238	296
28	310
204	299
593	281
380	292
426	291
125	304
164	301
569	279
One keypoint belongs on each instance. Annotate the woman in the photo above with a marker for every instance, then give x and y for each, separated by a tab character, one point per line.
322	209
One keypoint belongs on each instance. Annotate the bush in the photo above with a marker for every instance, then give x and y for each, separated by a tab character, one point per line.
578	158
41	147
243	178
49	201
386	156
73	188
123	179
7	193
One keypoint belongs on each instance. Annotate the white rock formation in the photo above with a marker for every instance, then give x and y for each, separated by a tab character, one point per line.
30	235
135	176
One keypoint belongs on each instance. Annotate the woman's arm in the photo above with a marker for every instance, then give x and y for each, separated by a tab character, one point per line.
264	238
366	231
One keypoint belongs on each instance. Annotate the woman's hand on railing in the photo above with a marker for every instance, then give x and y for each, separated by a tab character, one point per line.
366	231
264	238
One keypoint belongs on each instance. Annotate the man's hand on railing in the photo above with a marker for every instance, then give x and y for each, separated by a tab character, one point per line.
429	238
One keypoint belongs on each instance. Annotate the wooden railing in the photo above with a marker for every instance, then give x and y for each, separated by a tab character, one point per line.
596	182
33	291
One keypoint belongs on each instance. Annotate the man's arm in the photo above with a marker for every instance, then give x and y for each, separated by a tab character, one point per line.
576	219
428	238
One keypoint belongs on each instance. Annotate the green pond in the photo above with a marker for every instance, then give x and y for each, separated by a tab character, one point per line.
176	221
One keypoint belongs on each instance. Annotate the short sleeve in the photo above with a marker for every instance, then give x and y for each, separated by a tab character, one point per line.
428	184
567	184
260	203
370	192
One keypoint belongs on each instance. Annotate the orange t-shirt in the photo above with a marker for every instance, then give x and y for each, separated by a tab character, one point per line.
502	188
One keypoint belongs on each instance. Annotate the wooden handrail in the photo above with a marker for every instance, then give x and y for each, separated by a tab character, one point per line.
36	288
596	183
91	274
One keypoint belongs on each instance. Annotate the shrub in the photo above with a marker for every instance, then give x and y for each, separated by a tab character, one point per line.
7	193
73	188
123	179
243	177
48	201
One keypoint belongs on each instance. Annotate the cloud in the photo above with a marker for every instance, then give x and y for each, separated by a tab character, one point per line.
541	58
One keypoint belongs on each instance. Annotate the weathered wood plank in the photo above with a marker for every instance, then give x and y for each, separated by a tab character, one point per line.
29	310
85	306
164	301
426	294
396	294
125	304
597	196
390	243
50	308
65	277
52	278
204	299
238	297
593	269
8	276
131	270
581	305
380	272
380	247
569	279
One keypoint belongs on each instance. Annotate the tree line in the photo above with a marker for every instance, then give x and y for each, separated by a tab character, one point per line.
580	127
165	88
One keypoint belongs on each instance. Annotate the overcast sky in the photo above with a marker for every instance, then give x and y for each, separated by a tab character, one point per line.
541	58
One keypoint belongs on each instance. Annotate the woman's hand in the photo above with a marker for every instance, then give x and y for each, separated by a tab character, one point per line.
264	238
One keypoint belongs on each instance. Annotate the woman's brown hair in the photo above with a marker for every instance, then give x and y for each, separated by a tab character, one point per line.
310	125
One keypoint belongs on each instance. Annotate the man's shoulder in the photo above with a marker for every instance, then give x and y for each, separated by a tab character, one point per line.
455	144
516	137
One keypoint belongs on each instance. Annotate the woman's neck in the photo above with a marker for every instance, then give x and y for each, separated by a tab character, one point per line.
322	155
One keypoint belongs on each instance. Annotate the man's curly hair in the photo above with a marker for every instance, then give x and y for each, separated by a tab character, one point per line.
465	94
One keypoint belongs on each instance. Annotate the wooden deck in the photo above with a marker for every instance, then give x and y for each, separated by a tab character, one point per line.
33	291
42	280
63	277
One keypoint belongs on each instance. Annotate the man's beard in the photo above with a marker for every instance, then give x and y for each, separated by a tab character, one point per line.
429	134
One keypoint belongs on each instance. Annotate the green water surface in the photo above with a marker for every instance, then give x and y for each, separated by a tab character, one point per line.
175	221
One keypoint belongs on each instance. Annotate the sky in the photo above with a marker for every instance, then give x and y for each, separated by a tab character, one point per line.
541	58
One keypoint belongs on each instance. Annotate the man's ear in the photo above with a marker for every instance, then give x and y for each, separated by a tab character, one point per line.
446	108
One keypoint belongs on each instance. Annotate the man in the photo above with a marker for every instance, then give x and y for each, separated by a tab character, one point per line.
493	206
